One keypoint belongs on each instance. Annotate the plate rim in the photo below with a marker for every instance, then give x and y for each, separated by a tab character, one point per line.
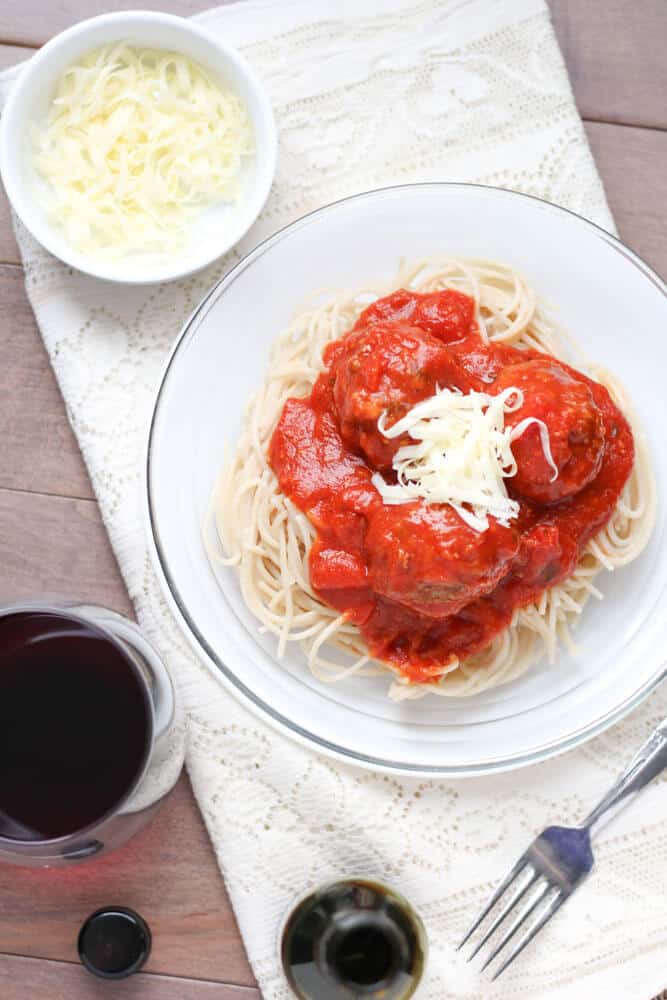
202	648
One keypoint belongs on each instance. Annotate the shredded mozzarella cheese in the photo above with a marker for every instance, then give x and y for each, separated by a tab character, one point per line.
462	454
137	142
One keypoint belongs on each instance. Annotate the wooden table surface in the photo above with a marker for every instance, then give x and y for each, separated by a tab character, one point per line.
52	539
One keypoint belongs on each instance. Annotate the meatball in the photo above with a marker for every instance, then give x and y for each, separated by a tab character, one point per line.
385	369
449	315
425	557
574	422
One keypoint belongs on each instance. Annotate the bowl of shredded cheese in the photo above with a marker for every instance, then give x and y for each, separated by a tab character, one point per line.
137	147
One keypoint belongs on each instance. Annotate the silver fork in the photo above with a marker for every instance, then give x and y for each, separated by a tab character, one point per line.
557	862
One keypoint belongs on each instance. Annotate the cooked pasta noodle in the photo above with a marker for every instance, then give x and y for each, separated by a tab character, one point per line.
268	539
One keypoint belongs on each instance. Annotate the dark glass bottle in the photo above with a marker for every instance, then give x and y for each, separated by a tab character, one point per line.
351	939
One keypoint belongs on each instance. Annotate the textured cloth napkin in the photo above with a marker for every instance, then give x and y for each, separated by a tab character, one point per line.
369	93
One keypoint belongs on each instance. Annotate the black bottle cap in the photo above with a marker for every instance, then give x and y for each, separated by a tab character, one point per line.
114	942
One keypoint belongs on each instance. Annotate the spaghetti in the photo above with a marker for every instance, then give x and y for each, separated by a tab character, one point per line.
268	538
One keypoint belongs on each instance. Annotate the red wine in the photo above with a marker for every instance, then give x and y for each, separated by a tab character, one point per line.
75	725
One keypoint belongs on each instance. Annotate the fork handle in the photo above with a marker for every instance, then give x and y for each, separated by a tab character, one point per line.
647	764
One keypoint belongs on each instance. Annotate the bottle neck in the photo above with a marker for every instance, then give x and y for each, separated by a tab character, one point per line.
362	950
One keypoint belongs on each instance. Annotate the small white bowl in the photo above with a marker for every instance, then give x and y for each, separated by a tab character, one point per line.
219	227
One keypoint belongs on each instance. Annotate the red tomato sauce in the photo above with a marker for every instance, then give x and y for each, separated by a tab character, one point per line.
421	585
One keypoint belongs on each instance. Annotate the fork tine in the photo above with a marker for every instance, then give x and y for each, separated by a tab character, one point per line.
556	902
520	892
518	922
518	868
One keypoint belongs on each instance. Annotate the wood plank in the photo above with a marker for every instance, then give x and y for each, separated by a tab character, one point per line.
38	449
27	978
57	546
9	252
32	22
168	873
12	54
632	163
194	930
615	53
614	49
192	937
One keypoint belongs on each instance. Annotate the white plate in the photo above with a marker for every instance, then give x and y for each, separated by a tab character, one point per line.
606	296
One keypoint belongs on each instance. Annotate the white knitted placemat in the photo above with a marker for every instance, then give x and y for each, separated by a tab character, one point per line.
369	93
